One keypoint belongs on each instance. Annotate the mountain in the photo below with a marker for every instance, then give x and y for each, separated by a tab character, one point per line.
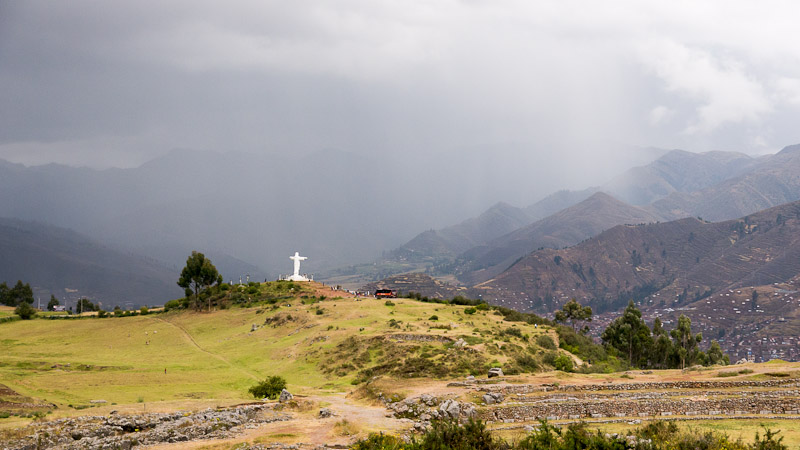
255	210
677	262
772	180
69	265
567	227
677	171
450	241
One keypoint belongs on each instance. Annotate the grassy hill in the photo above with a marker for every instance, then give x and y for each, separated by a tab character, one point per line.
316	339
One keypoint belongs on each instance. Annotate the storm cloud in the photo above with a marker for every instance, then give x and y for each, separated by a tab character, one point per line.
571	84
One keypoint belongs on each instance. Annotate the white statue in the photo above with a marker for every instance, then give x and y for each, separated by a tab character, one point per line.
296	276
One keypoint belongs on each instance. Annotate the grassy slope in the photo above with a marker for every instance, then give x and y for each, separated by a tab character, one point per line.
210	355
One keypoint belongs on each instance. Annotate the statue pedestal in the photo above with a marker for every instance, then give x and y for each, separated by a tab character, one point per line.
297	278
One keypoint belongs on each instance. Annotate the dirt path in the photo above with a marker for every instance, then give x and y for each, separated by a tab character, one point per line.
308	429
189	337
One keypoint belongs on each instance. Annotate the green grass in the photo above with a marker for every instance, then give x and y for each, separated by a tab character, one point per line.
213	355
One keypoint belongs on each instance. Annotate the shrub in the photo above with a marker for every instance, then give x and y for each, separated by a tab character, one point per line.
389	303
563	363
512	331
470	310
144	311
433	317
379	442
545	342
25	311
451	435
270	388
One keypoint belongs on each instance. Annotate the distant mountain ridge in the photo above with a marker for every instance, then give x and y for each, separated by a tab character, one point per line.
69	265
681	261
567	227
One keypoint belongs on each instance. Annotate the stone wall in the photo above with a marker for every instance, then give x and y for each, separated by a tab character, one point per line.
530	388
647	408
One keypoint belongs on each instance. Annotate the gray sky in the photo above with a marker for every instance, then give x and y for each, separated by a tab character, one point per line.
573	83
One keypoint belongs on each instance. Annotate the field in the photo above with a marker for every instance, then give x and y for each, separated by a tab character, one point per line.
184	356
335	351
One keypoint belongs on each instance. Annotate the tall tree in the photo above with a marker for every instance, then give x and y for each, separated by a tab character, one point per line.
198	274
51	305
18	294
575	313
662	346
715	355
629	335
685	343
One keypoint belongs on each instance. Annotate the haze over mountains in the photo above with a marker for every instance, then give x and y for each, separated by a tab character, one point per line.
184	201
713	185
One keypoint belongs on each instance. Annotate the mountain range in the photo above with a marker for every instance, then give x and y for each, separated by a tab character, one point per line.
714	185
68	265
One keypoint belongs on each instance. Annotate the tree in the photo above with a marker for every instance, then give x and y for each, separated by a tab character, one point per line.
270	388
629	335
715	355
685	343
25	311
18	294
84	305
51	305
574	312
198	274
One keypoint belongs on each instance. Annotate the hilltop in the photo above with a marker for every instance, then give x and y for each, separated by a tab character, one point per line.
183	375
316	337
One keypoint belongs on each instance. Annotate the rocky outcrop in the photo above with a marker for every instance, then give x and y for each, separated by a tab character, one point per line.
125	432
285	396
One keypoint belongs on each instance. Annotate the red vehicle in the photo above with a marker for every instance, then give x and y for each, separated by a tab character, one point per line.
385	293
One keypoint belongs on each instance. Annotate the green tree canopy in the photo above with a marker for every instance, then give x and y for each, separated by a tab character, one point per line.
686	344
25	311
51	305
20	293
198	274
575	313
629	336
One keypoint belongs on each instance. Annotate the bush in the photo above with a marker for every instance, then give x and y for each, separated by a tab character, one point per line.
545	342
563	363
433	317
451	435
144	311
270	388
388	303
25	311
470	310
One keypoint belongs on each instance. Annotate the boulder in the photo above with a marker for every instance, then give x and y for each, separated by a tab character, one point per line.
285	396
490	398
324	413
495	372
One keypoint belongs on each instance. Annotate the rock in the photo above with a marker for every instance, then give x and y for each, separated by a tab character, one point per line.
490	398
97	401
254	327
470	379
324	413
460	343
285	396
495	372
